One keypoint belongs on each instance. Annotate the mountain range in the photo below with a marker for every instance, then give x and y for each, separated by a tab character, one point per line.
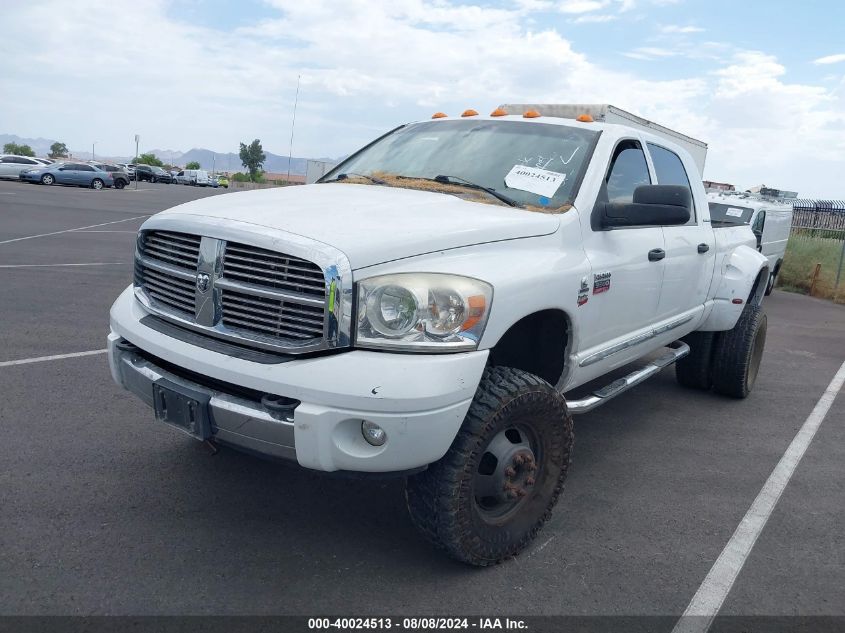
207	158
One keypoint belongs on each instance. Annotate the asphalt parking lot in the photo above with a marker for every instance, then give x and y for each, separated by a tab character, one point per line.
102	511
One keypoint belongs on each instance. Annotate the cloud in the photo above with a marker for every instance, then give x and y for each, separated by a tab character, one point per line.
650	52
594	18
830	59
676	28
581	6
368	68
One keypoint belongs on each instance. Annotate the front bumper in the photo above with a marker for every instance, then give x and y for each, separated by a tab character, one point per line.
419	400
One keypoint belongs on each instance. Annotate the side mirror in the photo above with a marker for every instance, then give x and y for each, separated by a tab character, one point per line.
653	205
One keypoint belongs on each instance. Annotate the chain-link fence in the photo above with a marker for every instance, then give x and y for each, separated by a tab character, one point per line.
815	256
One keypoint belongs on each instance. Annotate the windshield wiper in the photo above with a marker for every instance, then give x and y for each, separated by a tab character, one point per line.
345	176
457	180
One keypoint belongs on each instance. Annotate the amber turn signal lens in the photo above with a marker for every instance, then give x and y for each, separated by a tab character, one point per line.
469	113
531	114
585	118
439	115
499	112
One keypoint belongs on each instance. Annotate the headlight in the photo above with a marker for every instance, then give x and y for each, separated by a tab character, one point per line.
422	312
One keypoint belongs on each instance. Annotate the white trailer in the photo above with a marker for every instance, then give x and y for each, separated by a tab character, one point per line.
607	113
316	169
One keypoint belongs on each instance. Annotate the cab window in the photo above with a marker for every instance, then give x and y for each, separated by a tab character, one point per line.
628	170
669	170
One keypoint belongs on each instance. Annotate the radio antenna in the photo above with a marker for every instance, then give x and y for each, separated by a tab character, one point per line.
293	123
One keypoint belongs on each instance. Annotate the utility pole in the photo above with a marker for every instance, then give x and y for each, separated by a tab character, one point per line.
293	123
137	139
93	158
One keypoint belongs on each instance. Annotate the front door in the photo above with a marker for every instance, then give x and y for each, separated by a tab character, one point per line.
66	174
623	292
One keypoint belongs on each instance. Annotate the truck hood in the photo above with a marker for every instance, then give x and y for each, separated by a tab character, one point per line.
373	224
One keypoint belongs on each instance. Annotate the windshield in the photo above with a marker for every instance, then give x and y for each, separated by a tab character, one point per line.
534	164
730	214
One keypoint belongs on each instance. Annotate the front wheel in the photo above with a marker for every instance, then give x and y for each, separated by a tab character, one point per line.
487	498
97	184
736	359
47	179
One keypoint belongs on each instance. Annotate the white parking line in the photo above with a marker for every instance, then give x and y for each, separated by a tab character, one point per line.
710	597
51	265
81	228
133	232
41	359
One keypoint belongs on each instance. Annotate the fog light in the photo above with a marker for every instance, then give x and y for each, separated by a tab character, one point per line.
373	433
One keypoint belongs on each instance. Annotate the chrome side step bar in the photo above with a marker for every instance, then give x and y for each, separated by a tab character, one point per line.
676	351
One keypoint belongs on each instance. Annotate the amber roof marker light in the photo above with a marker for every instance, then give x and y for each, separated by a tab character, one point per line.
439	115
531	114
499	112
469	112
584	118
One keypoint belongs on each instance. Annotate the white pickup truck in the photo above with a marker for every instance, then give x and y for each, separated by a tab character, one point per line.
425	308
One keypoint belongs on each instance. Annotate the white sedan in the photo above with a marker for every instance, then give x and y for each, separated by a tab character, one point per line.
11	166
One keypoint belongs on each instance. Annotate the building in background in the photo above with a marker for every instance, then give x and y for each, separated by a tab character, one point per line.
718	186
770	192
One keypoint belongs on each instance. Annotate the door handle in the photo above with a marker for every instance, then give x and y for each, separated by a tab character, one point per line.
703	248
656	254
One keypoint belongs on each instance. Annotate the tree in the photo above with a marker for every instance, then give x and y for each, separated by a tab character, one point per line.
149	159
58	150
193	165
18	150
253	157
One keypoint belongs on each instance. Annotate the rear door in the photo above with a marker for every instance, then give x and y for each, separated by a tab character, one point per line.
86	174
621	297
690	248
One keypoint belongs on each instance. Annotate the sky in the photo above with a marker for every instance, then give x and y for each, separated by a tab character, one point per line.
762	82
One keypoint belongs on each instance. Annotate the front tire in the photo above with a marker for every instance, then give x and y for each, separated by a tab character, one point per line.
487	498
97	184
47	179
736	359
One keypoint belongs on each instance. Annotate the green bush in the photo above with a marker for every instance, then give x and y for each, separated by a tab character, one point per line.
803	252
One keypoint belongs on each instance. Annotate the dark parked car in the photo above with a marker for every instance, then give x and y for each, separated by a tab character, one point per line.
152	174
121	178
144	172
160	175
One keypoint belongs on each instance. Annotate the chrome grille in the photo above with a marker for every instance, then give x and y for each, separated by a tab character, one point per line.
273	317
260	297
174	292
177	249
273	270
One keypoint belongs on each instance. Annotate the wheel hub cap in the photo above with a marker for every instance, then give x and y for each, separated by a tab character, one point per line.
506	472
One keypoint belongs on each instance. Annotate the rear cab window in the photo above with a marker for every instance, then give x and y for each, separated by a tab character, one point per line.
670	170
730	214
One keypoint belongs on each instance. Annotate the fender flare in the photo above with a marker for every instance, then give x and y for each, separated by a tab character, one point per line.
744	275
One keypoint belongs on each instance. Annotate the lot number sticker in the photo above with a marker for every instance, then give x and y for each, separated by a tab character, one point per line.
535	180
734	212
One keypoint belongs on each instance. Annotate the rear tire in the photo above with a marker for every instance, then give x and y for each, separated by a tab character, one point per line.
514	445
695	369
770	285
119	184
736	359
